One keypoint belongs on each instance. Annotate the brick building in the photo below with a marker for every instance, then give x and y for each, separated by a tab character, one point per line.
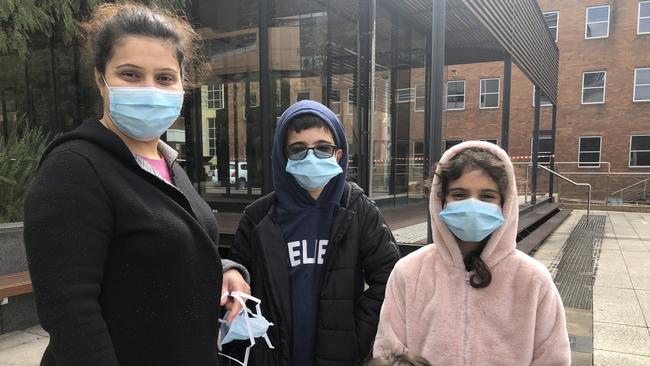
603	101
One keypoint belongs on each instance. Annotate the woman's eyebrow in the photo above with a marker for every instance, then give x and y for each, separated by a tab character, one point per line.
489	190
128	65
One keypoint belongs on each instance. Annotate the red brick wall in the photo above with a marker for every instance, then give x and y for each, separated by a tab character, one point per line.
615	120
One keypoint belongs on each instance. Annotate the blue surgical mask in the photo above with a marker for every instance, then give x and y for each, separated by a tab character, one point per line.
312	172
143	113
472	220
246	325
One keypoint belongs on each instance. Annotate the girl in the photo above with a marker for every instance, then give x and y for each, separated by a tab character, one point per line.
122	250
472	298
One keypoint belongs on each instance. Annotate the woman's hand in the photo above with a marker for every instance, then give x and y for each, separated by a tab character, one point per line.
233	281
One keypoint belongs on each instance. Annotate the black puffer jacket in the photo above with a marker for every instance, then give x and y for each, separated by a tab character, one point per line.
361	248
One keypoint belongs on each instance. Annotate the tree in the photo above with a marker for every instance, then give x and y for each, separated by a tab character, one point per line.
19	19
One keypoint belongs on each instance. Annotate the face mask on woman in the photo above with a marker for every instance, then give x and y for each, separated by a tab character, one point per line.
143	113
472	220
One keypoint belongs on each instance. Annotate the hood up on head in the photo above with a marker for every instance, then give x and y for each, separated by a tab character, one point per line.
503	241
290	195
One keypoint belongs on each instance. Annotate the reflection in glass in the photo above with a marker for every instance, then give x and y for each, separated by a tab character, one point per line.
229	104
313	55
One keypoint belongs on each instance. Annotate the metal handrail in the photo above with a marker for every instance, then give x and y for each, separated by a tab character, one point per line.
575	184
632	199
630	186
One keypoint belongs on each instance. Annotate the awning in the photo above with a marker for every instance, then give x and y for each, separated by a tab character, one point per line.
488	30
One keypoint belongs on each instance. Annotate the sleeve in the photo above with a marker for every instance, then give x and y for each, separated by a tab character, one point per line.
227	264
391	333
551	336
240	250
378	254
68	229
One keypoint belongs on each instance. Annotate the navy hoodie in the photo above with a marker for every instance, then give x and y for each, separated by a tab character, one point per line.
306	225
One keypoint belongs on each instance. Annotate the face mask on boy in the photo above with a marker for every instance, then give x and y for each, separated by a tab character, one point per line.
143	113
472	220
246	326
313	172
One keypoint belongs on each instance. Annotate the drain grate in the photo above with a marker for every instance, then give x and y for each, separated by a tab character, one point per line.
575	271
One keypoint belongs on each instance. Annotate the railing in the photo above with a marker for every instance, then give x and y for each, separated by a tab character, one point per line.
575	184
608	176
637	192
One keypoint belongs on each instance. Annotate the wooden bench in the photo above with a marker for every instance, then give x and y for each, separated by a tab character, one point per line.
15	284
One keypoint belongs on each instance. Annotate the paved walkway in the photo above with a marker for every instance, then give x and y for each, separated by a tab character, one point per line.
618	324
620	319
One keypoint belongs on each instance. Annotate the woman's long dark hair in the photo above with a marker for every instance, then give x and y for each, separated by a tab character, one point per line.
466	161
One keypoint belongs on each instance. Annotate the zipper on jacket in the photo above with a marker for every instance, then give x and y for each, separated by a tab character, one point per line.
465	337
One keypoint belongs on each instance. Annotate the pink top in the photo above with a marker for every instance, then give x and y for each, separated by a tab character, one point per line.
161	167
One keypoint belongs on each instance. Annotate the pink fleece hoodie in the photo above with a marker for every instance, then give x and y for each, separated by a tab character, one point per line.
431	310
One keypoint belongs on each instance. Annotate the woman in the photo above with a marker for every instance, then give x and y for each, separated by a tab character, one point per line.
122	250
473	298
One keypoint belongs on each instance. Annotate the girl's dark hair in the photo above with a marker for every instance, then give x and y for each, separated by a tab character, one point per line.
109	23
466	161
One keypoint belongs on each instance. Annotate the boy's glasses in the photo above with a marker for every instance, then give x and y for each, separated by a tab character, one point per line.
321	151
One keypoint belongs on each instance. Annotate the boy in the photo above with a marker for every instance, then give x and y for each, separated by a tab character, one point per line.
311	244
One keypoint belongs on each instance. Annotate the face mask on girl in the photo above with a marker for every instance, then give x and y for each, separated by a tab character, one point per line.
472	220
143	113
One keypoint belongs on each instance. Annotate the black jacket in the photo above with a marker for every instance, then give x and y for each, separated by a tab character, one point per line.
361	247
125	267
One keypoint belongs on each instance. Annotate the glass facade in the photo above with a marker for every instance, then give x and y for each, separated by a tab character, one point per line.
263	56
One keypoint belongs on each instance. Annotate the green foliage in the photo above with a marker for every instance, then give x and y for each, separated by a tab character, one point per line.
19	19
19	159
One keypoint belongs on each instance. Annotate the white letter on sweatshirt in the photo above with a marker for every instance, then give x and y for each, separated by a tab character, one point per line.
305	254
294	255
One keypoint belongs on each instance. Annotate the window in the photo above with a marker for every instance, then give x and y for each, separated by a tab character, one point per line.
552	19
350	102
593	87
589	151
418	150
642	84
543	99
212	137
335	101
403	95
303	95
492	141
215	96
597	24
450	143
489	93
640	151
456	95
643	25
252	100
544	149
420	98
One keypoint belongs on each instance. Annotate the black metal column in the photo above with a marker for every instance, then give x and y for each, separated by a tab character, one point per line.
533	184
552	159
265	96
433	127
364	87
505	116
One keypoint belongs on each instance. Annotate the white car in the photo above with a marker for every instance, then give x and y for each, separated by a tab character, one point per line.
243	174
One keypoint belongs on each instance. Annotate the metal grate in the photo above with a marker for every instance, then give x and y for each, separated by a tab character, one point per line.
575	271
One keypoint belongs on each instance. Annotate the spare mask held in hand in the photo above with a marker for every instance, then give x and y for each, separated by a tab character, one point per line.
246	325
